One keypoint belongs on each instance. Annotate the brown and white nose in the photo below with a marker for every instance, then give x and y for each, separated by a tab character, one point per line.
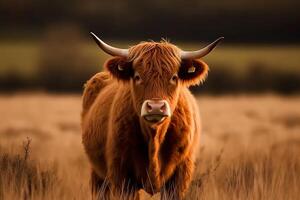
155	110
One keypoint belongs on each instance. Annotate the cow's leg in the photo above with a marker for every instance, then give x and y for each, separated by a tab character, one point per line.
102	190
99	186
121	185
177	186
118	176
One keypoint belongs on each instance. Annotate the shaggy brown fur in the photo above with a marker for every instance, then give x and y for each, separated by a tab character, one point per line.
121	146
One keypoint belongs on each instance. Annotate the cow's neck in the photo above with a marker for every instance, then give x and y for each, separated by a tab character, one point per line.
155	137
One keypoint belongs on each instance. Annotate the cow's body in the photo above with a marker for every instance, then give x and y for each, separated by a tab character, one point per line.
140	123
112	134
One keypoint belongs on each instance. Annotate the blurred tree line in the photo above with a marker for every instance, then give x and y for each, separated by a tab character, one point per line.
65	64
62	27
237	20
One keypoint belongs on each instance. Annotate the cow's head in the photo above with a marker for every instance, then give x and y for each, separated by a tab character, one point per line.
156	73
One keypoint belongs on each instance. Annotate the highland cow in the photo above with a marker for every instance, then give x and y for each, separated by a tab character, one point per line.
140	123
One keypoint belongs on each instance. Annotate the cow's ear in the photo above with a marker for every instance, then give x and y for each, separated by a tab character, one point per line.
120	68
192	72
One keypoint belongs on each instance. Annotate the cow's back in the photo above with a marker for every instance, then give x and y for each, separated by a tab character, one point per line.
196	121
92	88
95	120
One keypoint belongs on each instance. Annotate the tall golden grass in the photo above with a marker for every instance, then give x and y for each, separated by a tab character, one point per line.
250	148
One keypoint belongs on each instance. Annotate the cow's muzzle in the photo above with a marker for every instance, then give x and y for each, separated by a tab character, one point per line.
155	110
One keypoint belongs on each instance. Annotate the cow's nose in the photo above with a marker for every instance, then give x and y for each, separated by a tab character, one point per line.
155	110
156	107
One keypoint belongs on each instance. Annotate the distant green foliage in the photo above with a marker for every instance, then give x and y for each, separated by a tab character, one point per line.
66	58
64	64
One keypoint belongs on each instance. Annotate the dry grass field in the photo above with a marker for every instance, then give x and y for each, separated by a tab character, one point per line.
250	148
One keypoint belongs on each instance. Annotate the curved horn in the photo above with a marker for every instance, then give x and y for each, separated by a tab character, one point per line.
109	49
202	52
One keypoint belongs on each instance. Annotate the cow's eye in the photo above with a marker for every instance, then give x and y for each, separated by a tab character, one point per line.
174	79
137	78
